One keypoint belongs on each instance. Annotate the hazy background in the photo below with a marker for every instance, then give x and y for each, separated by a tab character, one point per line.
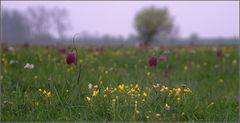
206	19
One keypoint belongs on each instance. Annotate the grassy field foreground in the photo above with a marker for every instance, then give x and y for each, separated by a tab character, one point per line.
193	84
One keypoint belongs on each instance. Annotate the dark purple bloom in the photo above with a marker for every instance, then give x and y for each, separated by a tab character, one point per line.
152	61
71	58
163	57
218	53
62	50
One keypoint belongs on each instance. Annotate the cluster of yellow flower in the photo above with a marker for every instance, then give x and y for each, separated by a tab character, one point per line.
153	117
135	97
45	92
121	89
134	92
94	91
176	91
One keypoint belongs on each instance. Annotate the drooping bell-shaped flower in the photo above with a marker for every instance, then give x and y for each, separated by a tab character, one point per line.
71	58
152	61
218	53
163	58
62	50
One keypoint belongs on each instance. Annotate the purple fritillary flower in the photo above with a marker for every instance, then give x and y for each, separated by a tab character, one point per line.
152	61
163	58
62	50
71	58
218	53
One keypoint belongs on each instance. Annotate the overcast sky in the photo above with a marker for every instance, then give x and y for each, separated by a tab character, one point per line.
208	19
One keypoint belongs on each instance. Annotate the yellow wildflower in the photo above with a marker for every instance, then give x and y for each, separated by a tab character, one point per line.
35	77
136	86
162	89
131	85
167	107
121	87
144	94
95	92
166	88
158	115
49	94
106	89
95	86
137	112
187	90
88	98
177	90
155	86
44	92
178	99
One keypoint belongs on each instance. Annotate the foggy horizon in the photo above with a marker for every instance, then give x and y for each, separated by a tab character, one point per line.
116	18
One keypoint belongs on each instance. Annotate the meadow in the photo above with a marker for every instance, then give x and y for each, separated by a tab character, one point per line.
188	84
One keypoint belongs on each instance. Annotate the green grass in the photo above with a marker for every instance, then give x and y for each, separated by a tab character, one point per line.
211	80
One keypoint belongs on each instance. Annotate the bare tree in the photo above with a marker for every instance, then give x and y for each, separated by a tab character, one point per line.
36	24
61	23
40	18
15	25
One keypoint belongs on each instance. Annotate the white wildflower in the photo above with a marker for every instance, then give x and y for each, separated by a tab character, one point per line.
167	107
13	62
157	86
90	86
11	48
29	66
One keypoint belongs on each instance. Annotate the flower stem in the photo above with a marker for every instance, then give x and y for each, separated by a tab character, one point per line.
79	74
74	48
